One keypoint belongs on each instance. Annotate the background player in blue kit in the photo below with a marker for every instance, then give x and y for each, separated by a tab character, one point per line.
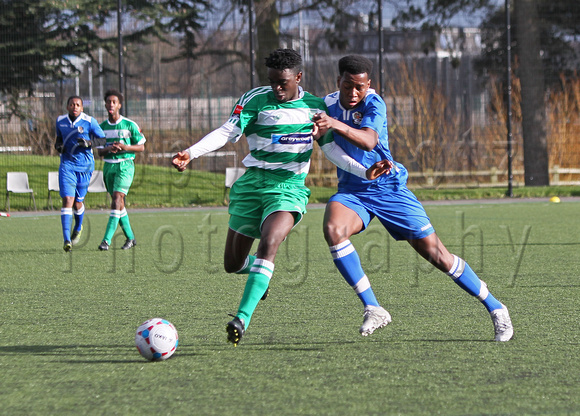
357	116
74	133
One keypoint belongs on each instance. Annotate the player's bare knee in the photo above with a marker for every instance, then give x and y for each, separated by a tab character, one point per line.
442	260
118	201
334	233
268	246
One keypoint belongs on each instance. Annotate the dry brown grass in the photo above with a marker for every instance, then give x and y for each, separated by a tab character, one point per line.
564	124
424	134
437	141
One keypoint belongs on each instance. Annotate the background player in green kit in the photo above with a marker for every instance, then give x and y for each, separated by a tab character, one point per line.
270	198
124	138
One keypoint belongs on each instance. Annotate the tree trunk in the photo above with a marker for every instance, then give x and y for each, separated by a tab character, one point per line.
531	72
268	35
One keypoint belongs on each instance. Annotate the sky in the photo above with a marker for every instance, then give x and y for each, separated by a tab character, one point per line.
312	19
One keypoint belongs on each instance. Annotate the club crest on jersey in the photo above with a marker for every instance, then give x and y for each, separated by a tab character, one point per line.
357	118
292	138
80	129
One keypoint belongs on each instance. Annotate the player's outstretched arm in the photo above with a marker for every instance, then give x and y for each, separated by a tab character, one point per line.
180	161
209	143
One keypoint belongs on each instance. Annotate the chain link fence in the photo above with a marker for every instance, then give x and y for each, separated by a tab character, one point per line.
447	121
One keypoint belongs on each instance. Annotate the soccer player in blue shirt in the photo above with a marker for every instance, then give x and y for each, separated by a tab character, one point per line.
74	134
357	116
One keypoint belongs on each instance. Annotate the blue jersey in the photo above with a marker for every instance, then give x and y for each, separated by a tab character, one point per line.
77	158
371	113
388	197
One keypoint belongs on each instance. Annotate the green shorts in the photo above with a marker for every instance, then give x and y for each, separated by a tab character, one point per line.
118	177
259	193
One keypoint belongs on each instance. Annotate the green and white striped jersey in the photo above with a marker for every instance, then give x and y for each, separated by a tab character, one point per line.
125	131
279	134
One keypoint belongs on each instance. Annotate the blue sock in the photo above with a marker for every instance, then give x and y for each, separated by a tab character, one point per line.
466	278
348	263
79	215
66	215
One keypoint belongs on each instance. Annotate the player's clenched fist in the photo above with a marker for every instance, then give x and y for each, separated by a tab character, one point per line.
379	168
180	161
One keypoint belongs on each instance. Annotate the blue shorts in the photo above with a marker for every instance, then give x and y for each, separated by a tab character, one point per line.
73	183
397	209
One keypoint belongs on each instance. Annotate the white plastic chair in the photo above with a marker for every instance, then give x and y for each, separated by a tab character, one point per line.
232	175
97	183
17	182
53	186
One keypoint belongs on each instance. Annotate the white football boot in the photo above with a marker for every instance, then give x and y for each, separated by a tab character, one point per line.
374	317
504	330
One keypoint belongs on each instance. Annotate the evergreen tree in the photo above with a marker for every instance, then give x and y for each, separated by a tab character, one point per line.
40	39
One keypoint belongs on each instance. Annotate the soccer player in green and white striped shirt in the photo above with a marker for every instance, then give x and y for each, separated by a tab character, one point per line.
124	138
270	198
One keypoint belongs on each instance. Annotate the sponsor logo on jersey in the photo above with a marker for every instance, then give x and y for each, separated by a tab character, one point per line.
238	109
292	138
357	118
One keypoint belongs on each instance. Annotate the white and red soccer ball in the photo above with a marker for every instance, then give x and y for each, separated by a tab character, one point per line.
156	339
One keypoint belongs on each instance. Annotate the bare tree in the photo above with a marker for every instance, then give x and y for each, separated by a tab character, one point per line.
534	127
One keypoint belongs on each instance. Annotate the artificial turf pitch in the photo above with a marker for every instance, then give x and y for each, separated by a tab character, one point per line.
67	321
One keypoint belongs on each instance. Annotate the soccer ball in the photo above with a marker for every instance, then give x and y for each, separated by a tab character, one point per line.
156	339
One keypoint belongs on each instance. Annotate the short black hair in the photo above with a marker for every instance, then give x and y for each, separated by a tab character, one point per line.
282	59
116	93
72	97
355	64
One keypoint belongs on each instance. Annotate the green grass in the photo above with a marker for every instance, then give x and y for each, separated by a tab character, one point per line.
154	186
67	321
163	186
